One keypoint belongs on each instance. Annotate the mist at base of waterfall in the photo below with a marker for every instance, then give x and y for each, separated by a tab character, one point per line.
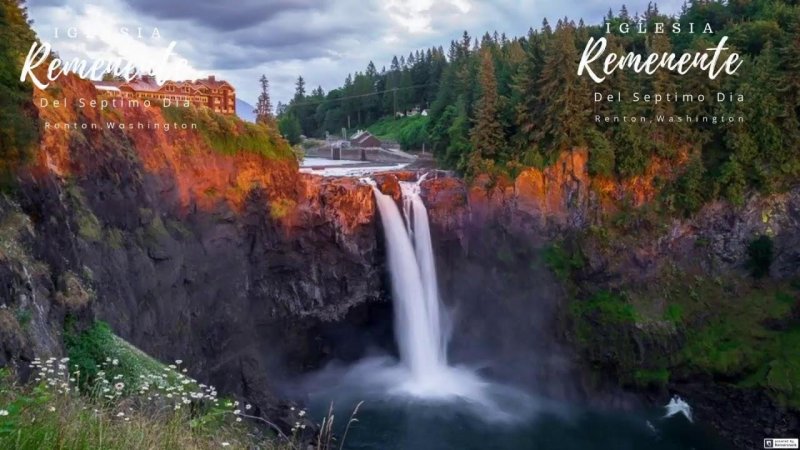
498	417
384	380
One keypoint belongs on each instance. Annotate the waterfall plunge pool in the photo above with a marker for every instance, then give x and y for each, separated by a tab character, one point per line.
421	402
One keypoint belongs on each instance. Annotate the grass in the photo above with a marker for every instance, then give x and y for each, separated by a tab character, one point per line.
108	394
409	132
229	135
45	416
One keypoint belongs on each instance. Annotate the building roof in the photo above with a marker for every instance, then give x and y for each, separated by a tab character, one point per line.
358	134
362	136
149	84
212	82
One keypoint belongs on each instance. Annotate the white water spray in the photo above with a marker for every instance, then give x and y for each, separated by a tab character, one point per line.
678	405
419	319
417	309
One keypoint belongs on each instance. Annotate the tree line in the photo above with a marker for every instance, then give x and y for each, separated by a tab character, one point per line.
500	104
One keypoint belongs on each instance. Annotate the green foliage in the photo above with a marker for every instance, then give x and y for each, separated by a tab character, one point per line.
289	127
18	127
562	261
230	135
690	191
606	307
410	132
674	313
656	377
50	413
97	348
488	135
24	316
601	155
760	254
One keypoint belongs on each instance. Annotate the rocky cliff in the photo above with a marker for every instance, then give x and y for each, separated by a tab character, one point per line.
233	262
629	296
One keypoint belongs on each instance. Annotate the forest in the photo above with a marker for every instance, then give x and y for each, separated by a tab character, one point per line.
498	104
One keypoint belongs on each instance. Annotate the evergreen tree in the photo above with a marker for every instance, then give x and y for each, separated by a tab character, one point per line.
300	89
565	103
263	110
487	135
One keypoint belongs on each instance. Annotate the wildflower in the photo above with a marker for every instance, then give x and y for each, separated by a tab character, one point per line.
115	362
225	444
302	413
237	411
248	406
302	426
120	414
178	361
3	412
52	409
119	386
238	419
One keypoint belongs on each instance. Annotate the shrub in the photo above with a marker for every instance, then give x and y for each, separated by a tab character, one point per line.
561	261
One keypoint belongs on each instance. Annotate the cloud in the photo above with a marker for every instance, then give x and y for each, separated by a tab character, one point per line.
321	40
219	15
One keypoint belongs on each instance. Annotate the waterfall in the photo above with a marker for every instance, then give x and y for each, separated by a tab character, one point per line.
421	329
418	321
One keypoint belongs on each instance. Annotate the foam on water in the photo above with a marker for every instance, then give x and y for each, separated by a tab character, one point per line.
677	405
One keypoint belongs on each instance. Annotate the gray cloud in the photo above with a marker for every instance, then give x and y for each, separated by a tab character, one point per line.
219	15
323	40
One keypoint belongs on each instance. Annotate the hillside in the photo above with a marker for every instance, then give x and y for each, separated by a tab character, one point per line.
410	132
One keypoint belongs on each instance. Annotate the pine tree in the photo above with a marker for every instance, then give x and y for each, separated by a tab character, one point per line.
263	110
487	135
565	103
300	89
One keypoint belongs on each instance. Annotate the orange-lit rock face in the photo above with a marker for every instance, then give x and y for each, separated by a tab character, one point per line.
561	194
191	173
389	184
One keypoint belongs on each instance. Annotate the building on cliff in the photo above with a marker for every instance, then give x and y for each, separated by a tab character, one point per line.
218	95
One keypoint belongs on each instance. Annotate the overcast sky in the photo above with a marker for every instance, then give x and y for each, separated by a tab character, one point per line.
322	40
